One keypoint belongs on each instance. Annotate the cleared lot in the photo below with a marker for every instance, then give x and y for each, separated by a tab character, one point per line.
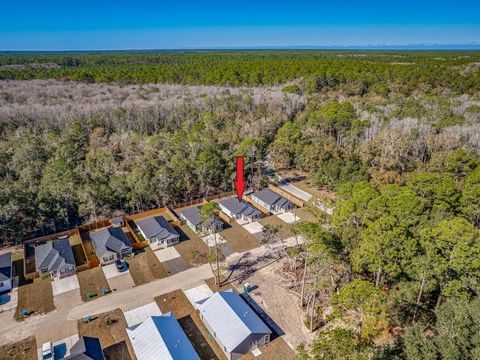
240	239
145	267
25	349
92	281
121	282
284	229
109	327
209	240
191	248
277	349
64	285
35	298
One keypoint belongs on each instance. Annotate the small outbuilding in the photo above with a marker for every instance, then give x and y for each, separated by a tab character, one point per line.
239	210
234	325
161	337
272	201
158	231
55	258
110	244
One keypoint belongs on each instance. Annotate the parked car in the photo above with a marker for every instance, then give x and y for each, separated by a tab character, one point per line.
47	351
121	265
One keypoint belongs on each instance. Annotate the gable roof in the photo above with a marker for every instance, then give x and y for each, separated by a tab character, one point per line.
271	198
161	337
109	239
86	348
157	227
194	217
6	266
54	255
239	207
231	318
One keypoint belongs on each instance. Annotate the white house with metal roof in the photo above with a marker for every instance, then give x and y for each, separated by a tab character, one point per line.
161	337
272	201
158	231
239	210
234	325
110	244
56	258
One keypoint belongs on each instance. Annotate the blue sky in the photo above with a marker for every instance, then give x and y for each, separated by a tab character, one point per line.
108	25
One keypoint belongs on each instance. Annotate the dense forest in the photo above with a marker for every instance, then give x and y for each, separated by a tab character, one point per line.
395	134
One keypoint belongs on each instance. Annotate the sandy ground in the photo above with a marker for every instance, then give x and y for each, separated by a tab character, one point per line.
284	308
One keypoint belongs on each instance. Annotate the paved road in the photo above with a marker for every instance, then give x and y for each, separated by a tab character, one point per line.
62	322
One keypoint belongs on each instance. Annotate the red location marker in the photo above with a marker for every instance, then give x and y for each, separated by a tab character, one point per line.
240	181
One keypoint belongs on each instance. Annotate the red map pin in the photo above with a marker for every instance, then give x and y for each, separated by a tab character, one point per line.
240	181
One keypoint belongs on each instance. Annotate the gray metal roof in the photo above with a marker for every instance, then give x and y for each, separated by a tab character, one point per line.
194	217
161	337
54	255
86	348
239	207
5	266
157	227
231	318
109	239
271	198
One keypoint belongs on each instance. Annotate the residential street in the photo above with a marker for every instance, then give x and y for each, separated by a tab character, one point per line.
62	322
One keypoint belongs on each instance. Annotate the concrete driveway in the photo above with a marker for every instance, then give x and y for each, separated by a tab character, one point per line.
253	228
111	271
209	240
289	217
198	294
167	254
64	285
142	313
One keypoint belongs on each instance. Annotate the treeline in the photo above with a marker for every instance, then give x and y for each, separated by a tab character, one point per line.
254	68
96	164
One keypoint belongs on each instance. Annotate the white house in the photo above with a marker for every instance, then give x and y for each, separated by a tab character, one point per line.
239	210
272	201
110	244
235	326
55	258
158	231
5	272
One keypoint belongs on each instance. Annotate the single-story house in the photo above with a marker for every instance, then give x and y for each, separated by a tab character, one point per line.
158	231
110	244
5	272
239	210
55	257
271	201
234	325
161	337
194	220
86	348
